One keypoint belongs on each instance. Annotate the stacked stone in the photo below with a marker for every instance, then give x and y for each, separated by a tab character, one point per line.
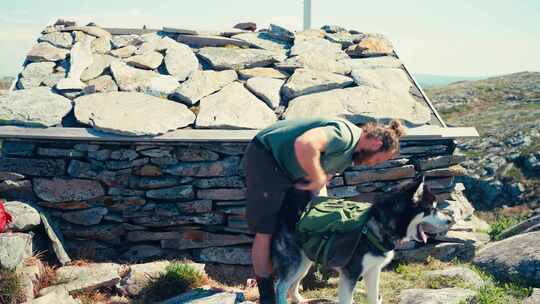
433	160
139	201
111	79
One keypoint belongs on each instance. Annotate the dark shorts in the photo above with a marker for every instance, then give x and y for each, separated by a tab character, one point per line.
271	196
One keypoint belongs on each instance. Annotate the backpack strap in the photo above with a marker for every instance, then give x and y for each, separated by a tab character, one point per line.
374	240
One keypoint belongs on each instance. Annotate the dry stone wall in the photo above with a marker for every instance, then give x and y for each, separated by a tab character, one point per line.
140	201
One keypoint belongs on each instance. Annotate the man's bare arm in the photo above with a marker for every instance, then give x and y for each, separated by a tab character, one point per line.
308	148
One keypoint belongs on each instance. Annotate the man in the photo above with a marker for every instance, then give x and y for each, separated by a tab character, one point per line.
293	159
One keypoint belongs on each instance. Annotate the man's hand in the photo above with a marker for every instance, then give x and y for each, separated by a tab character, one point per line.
308	148
313	184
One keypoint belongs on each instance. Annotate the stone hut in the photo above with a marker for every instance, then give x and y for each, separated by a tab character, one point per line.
132	139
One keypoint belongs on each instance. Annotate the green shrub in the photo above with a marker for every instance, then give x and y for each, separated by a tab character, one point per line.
11	290
178	278
502	223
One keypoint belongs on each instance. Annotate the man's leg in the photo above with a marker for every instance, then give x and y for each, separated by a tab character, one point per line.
262	266
260	255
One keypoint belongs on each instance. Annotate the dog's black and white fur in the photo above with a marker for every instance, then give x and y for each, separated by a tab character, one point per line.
394	221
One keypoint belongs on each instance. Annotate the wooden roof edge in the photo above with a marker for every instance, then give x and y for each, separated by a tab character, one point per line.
200	135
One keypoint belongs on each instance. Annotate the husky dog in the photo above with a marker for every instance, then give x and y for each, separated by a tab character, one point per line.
393	222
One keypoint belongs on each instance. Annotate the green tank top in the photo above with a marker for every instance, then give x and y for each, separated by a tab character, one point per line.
342	138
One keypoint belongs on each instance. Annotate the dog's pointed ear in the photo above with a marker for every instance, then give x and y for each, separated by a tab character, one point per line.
423	196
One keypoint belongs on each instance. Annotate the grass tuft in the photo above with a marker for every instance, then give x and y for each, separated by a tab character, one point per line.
178	278
11	289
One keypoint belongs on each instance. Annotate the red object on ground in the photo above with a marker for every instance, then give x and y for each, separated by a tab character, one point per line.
5	217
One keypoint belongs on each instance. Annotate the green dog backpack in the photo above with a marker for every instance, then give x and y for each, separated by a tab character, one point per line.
329	229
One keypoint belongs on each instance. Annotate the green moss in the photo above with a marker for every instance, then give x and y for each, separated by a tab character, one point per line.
178	278
11	289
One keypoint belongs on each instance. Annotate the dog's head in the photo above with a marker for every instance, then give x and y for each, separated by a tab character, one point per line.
412	215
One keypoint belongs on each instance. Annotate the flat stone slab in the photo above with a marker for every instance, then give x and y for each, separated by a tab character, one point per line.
148	61
14	248
58	39
35	73
196	41
37	107
86	217
435	296
318	54
90	30
376	62
100	64
391	80
58	190
25	217
234	107
140	275
202	239
263	40
387	174
124	52
122	112
511	258
205	296
132	79
534	298
267	89
359	105
236	59
305	81
201	84
55	236
463	273
85	278
45	51
119	41
103	84
263	72
226	255
57	297
181	62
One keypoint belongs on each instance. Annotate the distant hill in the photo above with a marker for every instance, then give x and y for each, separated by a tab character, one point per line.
504	164
430	80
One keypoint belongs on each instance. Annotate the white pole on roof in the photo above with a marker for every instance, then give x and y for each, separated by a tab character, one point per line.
307	14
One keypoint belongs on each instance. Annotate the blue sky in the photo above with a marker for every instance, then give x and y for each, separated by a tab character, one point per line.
458	37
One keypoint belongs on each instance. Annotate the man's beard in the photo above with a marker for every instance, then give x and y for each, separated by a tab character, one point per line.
360	157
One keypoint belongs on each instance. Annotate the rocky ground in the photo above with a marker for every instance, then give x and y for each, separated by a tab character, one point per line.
503	165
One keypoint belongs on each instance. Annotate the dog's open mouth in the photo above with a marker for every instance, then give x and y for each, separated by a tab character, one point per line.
421	234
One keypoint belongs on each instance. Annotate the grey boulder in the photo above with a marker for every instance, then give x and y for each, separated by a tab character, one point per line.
25	217
517	257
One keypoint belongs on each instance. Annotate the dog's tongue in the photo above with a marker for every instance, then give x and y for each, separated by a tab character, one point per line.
422	233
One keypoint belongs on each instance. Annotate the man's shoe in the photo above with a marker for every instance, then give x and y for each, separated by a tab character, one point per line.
267	294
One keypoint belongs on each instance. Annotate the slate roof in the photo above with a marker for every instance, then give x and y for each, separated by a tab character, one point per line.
147	82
